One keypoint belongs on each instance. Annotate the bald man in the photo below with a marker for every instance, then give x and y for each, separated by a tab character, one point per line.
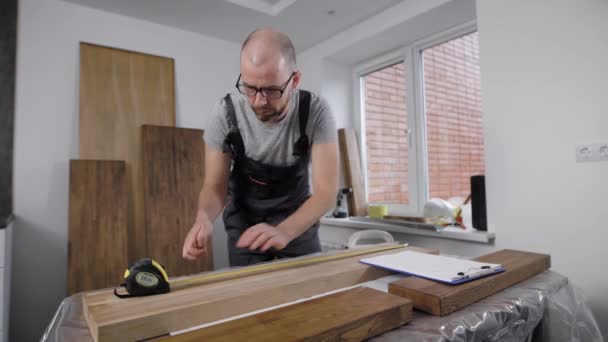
260	143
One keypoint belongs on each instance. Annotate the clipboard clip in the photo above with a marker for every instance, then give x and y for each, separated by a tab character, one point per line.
475	272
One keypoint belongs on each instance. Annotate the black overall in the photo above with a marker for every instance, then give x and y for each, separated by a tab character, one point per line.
262	193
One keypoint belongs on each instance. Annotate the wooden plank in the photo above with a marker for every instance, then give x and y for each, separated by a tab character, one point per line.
97	227
120	91
114	319
352	315
441	299
353	171
179	283
173	169
276	265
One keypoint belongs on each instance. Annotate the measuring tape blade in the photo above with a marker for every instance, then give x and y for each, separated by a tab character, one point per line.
278	265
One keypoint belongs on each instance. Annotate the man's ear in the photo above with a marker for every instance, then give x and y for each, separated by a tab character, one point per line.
296	79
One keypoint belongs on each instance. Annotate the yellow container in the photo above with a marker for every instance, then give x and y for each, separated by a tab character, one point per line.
377	211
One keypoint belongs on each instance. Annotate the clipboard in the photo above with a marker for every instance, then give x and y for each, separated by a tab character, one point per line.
439	268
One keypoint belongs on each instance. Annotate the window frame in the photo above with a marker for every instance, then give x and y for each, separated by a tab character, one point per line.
411	56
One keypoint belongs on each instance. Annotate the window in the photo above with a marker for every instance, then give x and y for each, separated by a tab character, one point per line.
386	135
421	122
452	102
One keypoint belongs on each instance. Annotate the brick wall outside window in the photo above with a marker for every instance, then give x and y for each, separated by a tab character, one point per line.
386	140
454	123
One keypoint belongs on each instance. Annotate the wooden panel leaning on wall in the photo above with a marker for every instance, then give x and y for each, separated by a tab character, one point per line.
173	162
350	158
120	91
97	229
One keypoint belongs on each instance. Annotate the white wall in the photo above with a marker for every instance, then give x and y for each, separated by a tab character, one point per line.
337	89
544	72
46	132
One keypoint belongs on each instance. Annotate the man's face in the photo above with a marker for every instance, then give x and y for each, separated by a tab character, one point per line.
274	85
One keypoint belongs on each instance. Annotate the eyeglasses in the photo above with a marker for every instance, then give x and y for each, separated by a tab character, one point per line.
271	93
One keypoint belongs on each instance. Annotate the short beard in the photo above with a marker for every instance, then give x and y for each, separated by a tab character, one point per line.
274	116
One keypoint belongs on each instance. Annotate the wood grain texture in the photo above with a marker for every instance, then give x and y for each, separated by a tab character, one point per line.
120	91
173	162
353	171
352	315
276	265
97	228
113	319
440	299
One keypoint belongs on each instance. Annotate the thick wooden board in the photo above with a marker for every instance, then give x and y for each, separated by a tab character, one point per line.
120	91
441	299
114	319
352	315
173	169
97	228
353	171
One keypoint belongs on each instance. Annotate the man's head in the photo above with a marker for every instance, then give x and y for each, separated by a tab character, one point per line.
268	63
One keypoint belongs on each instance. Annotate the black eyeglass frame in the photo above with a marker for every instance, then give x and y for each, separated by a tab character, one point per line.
281	89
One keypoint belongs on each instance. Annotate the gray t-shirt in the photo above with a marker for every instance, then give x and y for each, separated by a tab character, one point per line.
271	144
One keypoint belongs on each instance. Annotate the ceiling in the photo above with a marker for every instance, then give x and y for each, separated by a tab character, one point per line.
307	22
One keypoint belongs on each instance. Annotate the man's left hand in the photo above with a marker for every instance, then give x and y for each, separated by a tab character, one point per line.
263	236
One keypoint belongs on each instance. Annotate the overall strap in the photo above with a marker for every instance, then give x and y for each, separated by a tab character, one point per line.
302	145
234	140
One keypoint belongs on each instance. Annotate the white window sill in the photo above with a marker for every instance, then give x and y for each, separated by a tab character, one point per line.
447	233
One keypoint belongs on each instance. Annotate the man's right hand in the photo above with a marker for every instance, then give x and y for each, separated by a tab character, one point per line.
195	244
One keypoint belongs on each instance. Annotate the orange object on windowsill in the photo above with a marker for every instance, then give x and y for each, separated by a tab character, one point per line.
458	217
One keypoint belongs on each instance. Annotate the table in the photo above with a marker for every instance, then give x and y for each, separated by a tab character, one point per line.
546	307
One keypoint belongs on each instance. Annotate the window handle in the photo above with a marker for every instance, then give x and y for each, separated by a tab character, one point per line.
408	134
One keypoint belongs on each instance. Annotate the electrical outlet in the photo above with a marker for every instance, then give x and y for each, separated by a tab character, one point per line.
602	151
591	152
584	153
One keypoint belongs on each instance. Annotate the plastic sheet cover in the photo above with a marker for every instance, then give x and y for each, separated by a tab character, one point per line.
546	307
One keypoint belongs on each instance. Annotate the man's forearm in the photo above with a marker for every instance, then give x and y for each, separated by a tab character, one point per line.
309	213
211	202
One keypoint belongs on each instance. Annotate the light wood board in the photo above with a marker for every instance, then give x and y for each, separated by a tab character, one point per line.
280	264
440	299
173	169
114	319
97	227
352	315
350	158
120	91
